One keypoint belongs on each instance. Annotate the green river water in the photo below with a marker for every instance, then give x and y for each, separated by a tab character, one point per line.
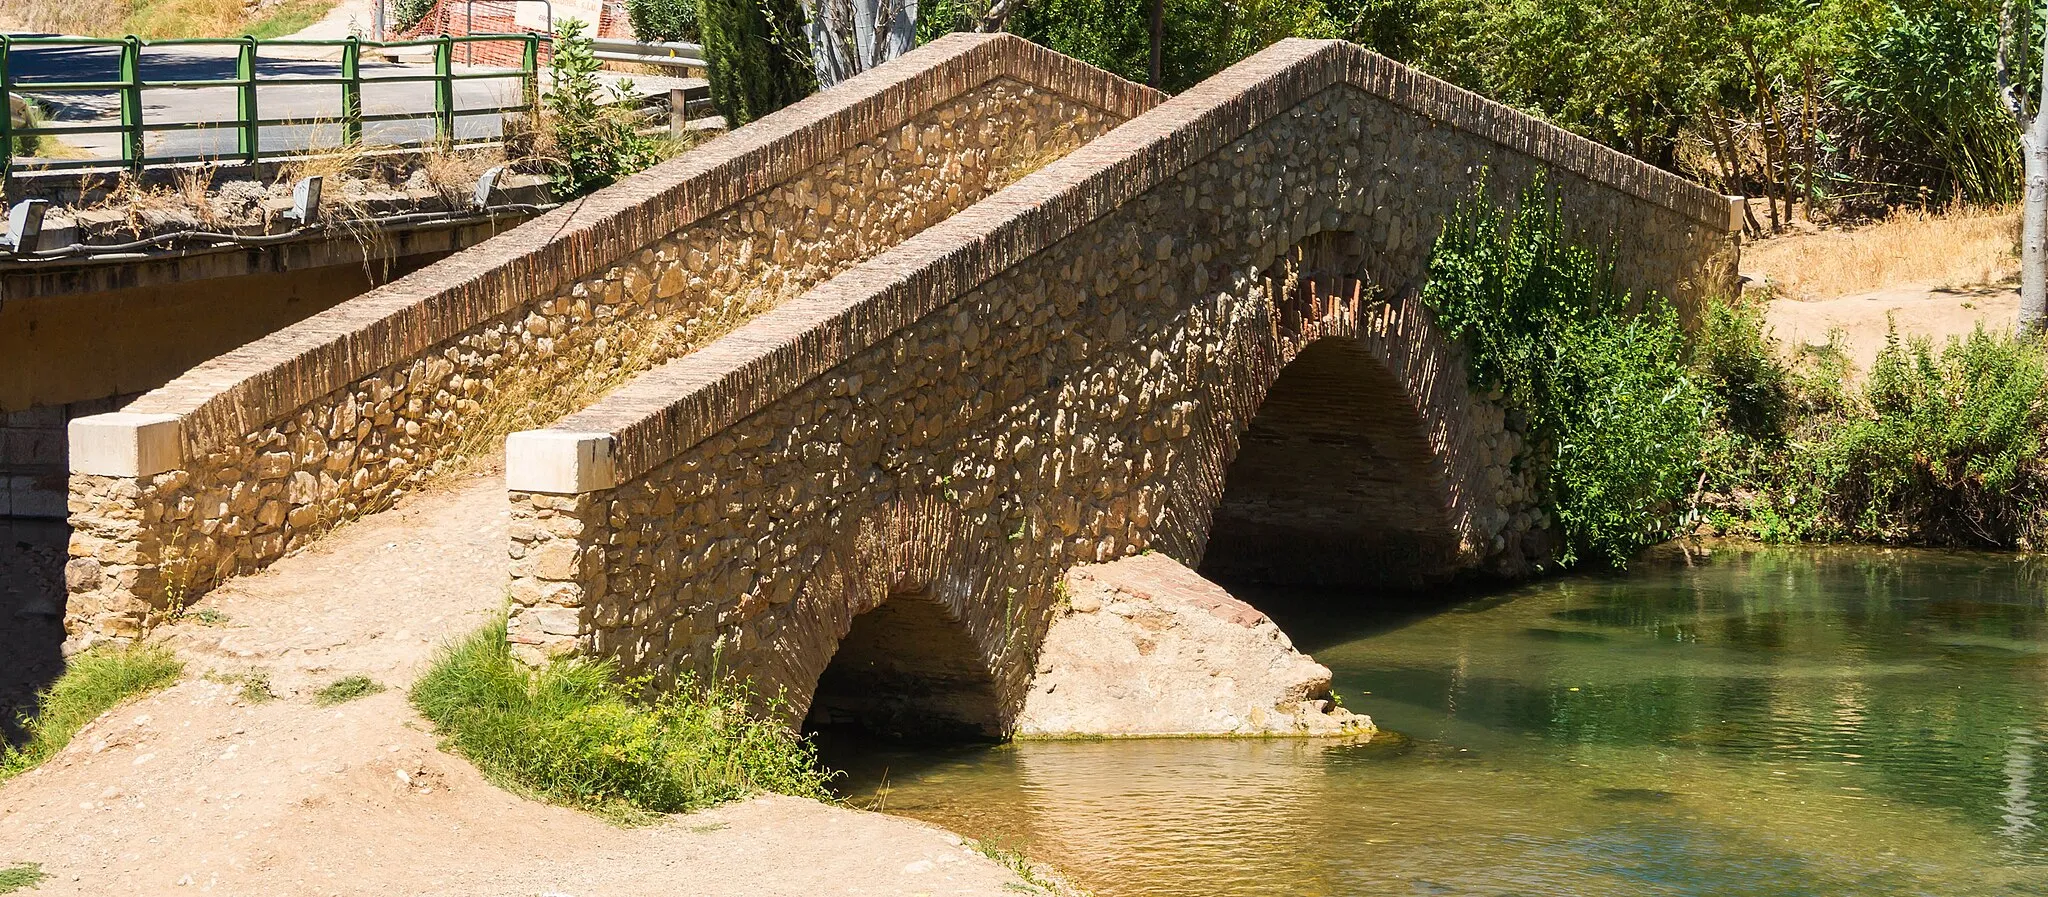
1757	722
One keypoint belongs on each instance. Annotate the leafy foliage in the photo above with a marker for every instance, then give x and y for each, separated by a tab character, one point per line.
1201	37
1614	416
1938	447
759	57
663	20
572	733
596	142
1950	448
1919	90
93	683
405	14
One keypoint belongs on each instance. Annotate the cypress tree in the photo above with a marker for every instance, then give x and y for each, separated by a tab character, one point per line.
759	58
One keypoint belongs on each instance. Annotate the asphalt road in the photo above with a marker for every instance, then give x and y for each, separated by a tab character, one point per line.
276	98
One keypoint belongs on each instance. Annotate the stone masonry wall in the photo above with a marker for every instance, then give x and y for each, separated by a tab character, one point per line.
252	486
1061	375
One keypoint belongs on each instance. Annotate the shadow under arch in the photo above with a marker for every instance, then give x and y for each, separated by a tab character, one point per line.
908	670
1357	467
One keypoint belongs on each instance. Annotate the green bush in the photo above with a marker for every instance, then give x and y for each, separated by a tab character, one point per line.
1949	451
405	14
573	733
1614	417
663	20
92	684
759	58
596	143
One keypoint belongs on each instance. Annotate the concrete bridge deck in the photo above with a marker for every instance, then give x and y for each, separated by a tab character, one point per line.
876	370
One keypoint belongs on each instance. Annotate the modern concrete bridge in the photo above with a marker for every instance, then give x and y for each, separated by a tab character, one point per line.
863	379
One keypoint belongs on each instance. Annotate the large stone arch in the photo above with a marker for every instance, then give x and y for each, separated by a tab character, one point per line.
1359	455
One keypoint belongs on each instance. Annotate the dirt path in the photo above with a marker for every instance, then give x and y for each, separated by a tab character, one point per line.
208	787
1860	321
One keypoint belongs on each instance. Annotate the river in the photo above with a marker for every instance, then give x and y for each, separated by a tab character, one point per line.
1761	721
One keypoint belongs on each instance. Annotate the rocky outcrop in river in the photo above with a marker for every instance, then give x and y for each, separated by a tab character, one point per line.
1147	647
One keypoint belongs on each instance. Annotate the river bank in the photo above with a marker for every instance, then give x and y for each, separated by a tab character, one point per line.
236	781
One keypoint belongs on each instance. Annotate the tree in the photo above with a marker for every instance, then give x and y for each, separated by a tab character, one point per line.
758	56
851	36
2034	150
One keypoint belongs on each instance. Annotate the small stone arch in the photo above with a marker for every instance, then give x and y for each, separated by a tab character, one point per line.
910	670
886	635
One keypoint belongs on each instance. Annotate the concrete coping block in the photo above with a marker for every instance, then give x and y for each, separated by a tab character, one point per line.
1736	208
560	462
125	444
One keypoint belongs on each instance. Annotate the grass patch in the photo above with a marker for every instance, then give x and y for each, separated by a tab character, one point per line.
159	19
1962	248
21	876
574	734
93	683
1033	881
347	689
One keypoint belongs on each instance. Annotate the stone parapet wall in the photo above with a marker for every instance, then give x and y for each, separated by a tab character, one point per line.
1062	374
258	452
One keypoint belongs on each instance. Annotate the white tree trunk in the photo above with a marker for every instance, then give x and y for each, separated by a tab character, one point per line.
846	38
2034	227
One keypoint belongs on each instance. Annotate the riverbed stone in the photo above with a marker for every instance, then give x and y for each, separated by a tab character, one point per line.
1174	655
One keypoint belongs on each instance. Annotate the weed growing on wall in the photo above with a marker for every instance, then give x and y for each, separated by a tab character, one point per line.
573	733
93	683
595	142
1613	415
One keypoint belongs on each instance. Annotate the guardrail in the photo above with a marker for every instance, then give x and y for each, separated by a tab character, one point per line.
671	54
248	124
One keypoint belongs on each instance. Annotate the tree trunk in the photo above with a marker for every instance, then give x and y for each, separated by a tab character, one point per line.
2034	228
1158	44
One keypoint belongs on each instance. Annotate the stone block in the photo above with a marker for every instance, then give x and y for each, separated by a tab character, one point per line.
125	444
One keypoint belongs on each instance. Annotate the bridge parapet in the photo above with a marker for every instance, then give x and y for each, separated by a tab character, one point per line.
260	451
1066	372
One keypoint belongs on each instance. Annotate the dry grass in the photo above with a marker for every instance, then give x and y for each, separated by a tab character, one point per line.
157	19
1967	248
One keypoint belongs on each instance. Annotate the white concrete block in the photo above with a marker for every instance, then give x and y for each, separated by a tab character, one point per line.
559	462
1735	213
123	444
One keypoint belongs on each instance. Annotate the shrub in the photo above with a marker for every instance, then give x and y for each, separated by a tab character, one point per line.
760	60
1615	419
93	683
572	733
595	143
1949	450
663	20
406	14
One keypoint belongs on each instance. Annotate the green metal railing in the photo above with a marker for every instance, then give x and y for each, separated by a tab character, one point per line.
248	123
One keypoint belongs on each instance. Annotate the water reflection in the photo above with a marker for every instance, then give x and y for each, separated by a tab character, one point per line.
1775	722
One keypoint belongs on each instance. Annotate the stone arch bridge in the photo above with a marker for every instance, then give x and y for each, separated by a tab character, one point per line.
860	383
